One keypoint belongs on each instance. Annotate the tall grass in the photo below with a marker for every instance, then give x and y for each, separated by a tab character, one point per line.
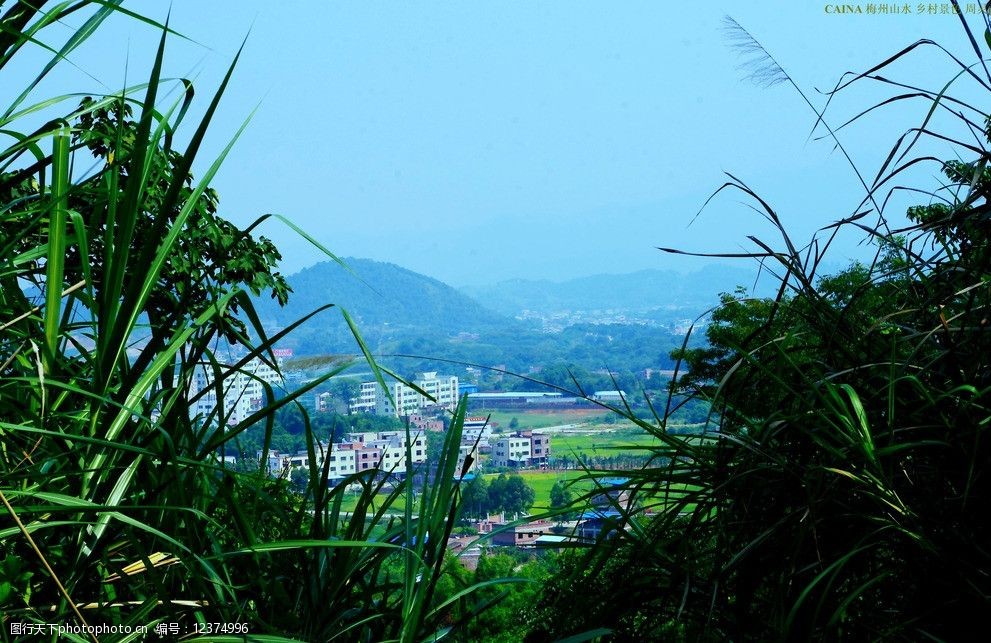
116	285
840	490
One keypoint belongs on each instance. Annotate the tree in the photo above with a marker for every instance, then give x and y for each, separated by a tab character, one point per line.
497	493
561	496
511	494
209	259
475	502
509	618
344	390
120	279
435	446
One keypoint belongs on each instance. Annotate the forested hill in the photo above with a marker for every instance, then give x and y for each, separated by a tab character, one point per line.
640	291
402	312
383	298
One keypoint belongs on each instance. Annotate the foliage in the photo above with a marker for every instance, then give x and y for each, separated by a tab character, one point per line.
506	493
117	287
475	501
292	425
510	494
617	594
512	609
561	496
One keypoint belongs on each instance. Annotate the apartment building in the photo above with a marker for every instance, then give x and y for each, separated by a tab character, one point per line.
540	448
384	452
477	430
442	388
425	423
522	449
526	535
513	451
365	402
343	460
242	392
406	400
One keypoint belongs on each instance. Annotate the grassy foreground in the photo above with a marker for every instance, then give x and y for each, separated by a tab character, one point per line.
120	285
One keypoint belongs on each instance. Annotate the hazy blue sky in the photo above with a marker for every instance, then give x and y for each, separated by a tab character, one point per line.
479	141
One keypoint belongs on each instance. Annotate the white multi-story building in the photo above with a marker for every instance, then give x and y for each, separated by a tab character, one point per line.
513	451
523	448
406	401
382	451
386	450
365	402
242	391
466	451
343	460
443	388
476	430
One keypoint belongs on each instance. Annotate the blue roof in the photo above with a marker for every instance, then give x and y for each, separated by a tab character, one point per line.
613	482
595	514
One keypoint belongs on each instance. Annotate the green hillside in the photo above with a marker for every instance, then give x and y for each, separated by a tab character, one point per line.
382	297
400	312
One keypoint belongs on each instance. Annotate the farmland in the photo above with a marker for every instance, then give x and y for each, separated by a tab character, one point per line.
528	419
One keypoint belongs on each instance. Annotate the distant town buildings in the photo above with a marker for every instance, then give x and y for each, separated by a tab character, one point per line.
241	392
523	400
426	423
400	400
383	451
365	402
526	535
610	397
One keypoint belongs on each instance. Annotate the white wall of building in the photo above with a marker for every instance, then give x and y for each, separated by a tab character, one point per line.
511	451
406	400
242	392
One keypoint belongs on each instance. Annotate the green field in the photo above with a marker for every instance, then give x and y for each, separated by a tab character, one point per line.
594	419
500	420
542	481
625	441
350	500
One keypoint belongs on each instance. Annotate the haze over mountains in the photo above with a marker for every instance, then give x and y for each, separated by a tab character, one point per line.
635	292
604	321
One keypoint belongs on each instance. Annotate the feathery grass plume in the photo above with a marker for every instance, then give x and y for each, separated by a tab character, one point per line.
759	65
763	69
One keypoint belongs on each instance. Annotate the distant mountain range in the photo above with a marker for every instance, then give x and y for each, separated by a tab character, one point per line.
637	292
402	312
